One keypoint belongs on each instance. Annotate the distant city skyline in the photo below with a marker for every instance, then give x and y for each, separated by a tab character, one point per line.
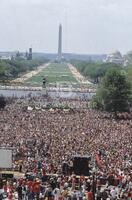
89	26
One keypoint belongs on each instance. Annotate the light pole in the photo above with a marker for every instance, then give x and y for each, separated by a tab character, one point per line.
94	183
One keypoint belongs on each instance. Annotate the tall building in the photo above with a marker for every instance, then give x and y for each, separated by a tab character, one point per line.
30	54
60	44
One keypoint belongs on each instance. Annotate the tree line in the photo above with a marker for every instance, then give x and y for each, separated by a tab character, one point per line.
10	69
95	71
114	93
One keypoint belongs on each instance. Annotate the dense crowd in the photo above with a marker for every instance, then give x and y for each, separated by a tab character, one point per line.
43	139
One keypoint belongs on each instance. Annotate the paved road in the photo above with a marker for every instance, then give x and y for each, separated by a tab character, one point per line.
31	73
80	78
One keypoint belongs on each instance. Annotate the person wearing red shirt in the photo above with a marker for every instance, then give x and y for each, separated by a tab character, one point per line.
36	188
120	180
90	195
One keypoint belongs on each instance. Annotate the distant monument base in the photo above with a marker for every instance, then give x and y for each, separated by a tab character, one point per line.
44	92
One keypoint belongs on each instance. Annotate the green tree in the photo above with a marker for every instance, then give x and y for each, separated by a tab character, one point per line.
2	102
114	94
94	71
10	69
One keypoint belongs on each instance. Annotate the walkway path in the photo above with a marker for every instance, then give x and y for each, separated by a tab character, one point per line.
80	78
52	89
31	73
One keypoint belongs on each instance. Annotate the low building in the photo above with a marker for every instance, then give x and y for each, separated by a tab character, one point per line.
5	57
128	57
115	57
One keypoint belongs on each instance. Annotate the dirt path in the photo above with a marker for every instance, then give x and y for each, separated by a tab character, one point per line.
31	73
80	78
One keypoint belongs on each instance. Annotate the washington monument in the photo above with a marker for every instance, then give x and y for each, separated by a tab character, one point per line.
60	44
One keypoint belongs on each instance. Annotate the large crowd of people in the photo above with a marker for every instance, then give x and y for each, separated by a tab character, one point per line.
44	139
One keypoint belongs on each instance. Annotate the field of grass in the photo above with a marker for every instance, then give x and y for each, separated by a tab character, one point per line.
54	73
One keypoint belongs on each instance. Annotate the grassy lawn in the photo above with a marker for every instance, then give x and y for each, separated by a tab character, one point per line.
55	72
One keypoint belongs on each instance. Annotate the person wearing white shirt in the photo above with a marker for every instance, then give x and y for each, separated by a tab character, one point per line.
56	193
113	193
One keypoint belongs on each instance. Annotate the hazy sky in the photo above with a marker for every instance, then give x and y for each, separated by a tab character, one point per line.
89	26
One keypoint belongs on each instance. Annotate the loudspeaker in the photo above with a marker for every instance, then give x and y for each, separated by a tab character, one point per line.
1	184
81	165
65	168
